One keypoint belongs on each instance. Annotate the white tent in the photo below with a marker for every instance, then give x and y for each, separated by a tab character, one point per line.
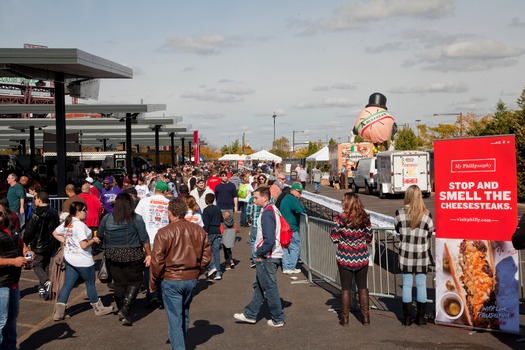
319	156
232	157
264	155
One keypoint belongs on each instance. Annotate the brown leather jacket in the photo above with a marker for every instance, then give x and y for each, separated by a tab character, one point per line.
181	250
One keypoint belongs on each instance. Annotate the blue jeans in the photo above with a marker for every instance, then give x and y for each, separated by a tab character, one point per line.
22	218
317	186
9	309
265	286
253	236
421	287
177	297
242	208
215	242
291	254
72	275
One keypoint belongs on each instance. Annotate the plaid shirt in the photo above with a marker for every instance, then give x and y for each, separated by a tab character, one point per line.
253	211
414	252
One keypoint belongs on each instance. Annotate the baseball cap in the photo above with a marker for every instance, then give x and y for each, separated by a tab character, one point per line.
161	186
108	180
297	187
89	179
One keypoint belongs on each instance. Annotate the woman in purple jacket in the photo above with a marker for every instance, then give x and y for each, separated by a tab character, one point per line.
352	231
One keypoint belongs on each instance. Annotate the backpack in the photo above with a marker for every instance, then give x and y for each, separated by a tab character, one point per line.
284	192
243	191
286	233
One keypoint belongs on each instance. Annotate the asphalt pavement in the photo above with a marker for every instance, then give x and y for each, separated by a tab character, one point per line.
311	319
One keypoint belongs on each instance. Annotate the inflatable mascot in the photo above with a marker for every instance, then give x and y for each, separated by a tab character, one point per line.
374	123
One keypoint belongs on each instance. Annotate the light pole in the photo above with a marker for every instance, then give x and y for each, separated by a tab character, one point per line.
293	138
418	121
460	115
274	116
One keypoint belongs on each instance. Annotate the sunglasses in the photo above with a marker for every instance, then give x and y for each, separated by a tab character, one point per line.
262	179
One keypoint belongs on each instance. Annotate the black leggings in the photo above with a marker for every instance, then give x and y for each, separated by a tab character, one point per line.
347	275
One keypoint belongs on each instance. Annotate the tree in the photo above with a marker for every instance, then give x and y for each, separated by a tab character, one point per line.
406	140
210	152
281	147
332	142
234	148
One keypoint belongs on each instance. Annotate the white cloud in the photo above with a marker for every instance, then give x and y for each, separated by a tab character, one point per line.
201	44
442	87
362	14
237	91
516	22
339	86
211	95
341	102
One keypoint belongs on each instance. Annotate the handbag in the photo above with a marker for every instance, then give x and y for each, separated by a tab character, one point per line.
103	274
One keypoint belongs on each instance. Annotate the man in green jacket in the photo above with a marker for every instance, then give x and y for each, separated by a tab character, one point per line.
291	209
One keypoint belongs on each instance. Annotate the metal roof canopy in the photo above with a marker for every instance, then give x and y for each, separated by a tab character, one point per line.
59	65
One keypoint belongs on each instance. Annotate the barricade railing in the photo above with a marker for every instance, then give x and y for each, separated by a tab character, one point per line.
56	202
384	276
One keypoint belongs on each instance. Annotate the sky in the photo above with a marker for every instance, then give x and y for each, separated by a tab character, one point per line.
227	67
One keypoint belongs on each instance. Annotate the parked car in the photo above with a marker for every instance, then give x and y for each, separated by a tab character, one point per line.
365	173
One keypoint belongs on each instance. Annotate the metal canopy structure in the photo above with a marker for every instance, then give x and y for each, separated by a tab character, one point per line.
59	65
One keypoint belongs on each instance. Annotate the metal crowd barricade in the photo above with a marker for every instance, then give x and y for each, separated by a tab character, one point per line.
384	277
56	202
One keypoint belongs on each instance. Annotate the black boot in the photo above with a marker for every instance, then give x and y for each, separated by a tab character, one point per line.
420	314
407	314
127	302
118	301
346	297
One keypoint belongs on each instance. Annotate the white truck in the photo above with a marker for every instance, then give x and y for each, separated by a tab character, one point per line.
397	170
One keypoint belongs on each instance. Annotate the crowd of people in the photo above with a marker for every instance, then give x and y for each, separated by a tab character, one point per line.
159	232
144	225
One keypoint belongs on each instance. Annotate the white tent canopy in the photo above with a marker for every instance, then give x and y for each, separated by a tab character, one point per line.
319	156
231	157
264	155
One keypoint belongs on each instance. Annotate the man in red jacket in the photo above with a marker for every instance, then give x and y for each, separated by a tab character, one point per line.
93	205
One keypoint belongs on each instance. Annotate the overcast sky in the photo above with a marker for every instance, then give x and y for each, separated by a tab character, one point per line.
227	66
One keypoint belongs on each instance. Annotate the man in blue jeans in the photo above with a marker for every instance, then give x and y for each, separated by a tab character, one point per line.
292	209
181	252
269	253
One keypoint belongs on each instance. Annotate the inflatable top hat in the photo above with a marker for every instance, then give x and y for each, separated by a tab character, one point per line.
377	99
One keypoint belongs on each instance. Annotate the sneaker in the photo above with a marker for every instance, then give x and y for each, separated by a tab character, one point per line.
232	265
47	286
218	277
294	271
287	272
243	318
252	266
42	292
211	272
276	325
228	267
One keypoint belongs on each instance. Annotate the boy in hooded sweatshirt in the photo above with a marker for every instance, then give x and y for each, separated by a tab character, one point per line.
228	229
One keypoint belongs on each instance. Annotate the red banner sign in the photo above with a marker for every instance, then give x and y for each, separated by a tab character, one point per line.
475	183
196	155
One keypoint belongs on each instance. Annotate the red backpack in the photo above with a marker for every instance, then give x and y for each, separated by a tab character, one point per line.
286	232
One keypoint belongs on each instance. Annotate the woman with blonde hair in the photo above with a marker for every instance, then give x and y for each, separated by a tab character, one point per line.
352	231
414	224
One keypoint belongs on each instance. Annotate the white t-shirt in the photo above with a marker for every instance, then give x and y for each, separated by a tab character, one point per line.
142	191
154	212
196	218
76	232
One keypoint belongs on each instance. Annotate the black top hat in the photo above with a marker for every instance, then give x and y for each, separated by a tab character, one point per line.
377	100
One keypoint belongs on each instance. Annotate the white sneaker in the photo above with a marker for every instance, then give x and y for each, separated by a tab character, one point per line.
211	272
276	325
287	272
243	318
294	271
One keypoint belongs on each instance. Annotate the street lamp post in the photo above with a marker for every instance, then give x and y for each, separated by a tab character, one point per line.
293	138
274	116
418	121
460	115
